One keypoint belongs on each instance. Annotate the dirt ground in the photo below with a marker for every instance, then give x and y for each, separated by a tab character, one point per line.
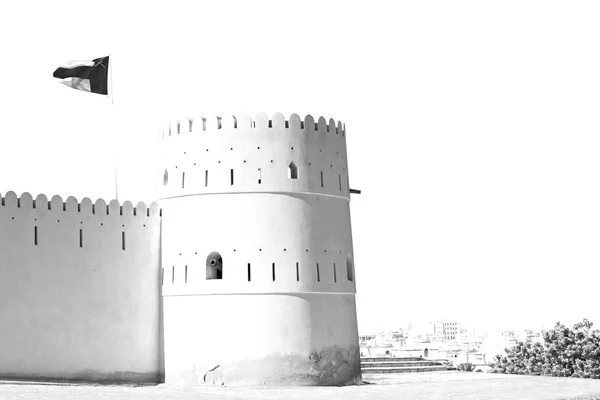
413	386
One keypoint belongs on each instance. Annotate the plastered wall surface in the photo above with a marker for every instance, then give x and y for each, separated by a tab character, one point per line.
79	290
270	196
270	339
268	243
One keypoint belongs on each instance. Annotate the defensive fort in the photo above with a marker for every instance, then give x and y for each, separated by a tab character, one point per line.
241	272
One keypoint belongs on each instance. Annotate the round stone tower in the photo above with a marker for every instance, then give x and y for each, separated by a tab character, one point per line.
257	259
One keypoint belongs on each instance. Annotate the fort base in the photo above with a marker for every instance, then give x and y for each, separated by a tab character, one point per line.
304	339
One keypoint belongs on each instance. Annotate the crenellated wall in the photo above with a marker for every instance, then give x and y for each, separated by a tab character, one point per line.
79	289
244	271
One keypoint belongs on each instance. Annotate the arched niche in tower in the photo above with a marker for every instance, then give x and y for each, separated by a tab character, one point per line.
214	266
292	171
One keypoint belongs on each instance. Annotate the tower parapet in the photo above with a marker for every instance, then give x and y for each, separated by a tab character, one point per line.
258	272
261	154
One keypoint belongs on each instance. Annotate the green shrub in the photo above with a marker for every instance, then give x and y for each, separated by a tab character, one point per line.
467	367
565	352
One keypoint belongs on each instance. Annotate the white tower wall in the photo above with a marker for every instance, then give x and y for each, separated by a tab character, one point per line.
282	310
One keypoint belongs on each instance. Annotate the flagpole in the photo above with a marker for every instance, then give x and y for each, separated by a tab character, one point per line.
112	102
116	180
111	78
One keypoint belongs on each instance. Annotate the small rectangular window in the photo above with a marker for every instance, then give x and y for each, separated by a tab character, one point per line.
81	238
297	272
35	241
334	273
123	240
183	180
259	176
349	270
321	178
318	274
273	268
205	178
249	276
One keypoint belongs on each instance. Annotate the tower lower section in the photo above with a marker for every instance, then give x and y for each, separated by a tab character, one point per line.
262	339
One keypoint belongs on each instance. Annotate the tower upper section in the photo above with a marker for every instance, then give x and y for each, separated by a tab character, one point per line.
208	155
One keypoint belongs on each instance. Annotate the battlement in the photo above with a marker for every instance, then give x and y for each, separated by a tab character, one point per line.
48	225
80	275
71	205
260	122
239	154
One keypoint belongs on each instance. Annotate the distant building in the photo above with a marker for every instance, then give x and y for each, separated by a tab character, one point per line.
450	330
435	331
434	337
399	334
438	328
530	336
496	343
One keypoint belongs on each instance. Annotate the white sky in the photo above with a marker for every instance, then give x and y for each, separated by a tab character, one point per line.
473	130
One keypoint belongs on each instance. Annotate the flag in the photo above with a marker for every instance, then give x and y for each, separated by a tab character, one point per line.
89	76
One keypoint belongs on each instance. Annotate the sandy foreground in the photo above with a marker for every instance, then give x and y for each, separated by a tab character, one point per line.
430	385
